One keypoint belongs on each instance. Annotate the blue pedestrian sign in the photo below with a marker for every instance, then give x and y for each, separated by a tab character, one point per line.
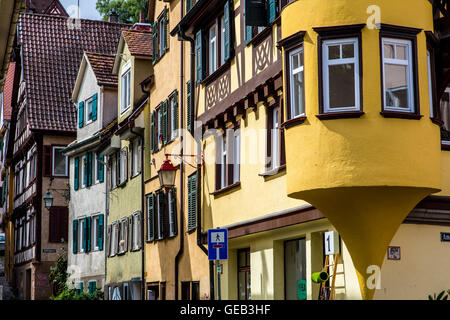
218	244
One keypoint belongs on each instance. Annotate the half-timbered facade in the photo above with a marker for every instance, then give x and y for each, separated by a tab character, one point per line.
45	123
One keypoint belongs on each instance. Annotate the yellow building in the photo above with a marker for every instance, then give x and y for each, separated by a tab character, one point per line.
176	264
124	219
323	105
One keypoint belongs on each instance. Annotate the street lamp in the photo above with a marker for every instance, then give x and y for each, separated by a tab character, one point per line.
167	174
48	200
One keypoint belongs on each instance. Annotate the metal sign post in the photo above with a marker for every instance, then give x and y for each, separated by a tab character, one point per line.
218	250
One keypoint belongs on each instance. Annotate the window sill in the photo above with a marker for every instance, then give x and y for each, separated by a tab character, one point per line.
293	122
401	115
232	187
122	184
273	172
340	115
213	76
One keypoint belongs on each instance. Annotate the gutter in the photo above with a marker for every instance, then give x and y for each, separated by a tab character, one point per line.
199	175
181	218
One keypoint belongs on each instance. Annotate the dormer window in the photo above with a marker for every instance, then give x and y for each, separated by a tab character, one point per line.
125	88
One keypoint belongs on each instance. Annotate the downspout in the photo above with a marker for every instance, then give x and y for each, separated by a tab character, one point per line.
141	136
199	210
181	218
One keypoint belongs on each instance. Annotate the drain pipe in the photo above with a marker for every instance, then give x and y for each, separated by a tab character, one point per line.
181	218
199	175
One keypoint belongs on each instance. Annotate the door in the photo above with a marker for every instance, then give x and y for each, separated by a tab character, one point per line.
28	285
295	269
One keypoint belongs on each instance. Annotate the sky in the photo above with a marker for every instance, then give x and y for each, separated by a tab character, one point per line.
87	8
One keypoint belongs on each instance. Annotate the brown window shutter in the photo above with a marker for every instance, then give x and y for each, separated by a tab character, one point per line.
64	223
53	225
47	161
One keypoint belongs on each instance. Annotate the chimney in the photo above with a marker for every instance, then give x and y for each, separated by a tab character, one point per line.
113	17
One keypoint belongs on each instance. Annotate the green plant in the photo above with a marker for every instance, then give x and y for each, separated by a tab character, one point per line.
71	294
58	274
58	280
440	296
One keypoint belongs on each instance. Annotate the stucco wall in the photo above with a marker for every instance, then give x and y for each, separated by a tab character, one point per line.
86	202
87	89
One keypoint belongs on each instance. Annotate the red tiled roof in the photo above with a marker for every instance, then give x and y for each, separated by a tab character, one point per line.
139	42
102	65
52	51
7	92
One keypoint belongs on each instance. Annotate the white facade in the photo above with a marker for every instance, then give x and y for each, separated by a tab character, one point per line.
86	258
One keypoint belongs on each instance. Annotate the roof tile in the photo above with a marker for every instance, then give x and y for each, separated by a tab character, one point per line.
52	51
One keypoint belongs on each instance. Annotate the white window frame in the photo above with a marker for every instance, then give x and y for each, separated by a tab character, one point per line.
275	163
326	62
236	155
81	223
430	85
212	49
135	156
96	161
86	116
292	73
125	88
136	231
66	173
223	168
410	72
445	142
222	40
122	166
95	224
173	119
122	235
82	168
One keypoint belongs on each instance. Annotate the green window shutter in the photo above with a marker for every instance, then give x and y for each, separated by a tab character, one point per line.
165	122
189	107
162	221
199	55
227	35
81	114
272	10
101	168
92	287
100	232
94	107
88	234
81	287
165	20
188	5
151	217
75	236
248	34
155	42
173	204
175	114
76	175
192	202
152	132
